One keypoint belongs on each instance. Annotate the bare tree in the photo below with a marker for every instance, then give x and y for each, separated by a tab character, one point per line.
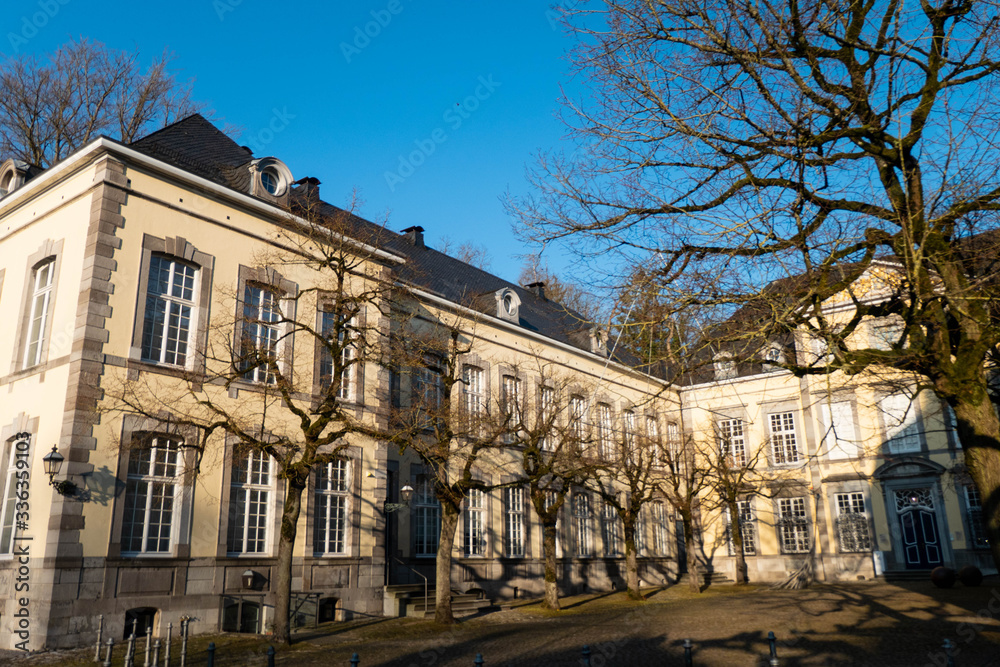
564	292
54	105
453	431
729	144
294	410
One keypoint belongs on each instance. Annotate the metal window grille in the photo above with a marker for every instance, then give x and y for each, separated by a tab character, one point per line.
793	526
853	530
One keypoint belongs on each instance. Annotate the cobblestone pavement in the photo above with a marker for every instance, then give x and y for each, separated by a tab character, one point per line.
827	624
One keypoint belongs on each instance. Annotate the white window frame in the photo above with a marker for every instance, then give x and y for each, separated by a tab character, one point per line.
262	330
852	513
13	489
547	407
474	530
250	488
39	312
605	432
974	518
510	404
167	339
515	522
902	424
428	386
332	508
660	530
784	438
746	521
629	437
837	422
793	525
611	531
724	366
474	391
732	441
583	521
653	435
578	419
348	385
161	455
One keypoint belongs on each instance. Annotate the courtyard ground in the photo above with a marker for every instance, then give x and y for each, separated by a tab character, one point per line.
827	624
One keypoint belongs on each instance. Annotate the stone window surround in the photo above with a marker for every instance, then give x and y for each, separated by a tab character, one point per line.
277	503
357	371
180	248
353	456
49	249
132	426
287	292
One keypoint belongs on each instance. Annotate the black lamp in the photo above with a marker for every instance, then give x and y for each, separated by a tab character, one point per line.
53	463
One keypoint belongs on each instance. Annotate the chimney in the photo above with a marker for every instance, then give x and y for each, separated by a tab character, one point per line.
308	188
415	235
538	289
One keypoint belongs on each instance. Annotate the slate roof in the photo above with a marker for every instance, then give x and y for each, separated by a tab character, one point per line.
197	146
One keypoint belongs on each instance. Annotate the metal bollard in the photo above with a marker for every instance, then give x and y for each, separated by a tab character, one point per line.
156	653
184	640
687	654
479	660
270	656
149	634
100	632
166	652
774	650
355	660
949	650
130	649
107	656
210	662
586	656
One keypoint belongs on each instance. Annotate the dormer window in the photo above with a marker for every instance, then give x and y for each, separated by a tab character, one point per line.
5	182
508	305
774	355
14	174
725	366
270	179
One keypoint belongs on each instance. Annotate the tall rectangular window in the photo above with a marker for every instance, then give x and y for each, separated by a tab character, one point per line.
653	434
974	517
426	518
332	324
583	518
14	466
547	415
474	519
611	533
510	404
259	335
746	523
550	500
784	446
659	528
577	423
249	500
330	508
732	442
38	316
838	430
793	526
166	327
150	497
605	435
628	437
428	387
473	392
852	523
902	428
515	521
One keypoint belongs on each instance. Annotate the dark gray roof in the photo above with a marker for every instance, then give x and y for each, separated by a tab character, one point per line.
197	146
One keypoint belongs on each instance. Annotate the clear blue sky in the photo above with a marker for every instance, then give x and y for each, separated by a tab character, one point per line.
465	94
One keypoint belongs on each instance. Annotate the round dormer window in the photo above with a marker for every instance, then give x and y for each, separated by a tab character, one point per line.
509	306
5	182
270	180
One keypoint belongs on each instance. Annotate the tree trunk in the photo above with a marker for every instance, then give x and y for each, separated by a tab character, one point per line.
736	534
551	600
979	432
283	574
631	560
694	571
442	591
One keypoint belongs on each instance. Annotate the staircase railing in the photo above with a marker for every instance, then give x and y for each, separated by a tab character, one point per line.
407	566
